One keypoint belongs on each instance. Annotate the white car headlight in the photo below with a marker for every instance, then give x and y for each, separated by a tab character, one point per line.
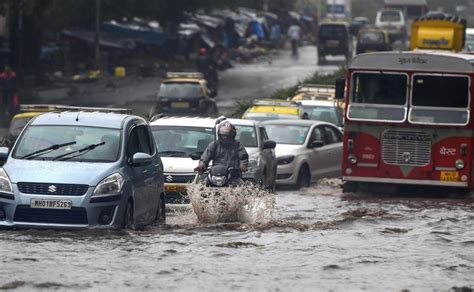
5	183
109	186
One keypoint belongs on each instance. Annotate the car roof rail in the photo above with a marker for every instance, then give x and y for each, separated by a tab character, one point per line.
38	107
220	119
93	109
193	75
157	117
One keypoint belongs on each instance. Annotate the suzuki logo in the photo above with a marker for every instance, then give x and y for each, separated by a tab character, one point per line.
406	156
52	188
169	178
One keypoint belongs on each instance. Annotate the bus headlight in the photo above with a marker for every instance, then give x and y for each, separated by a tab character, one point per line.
459	164
352	158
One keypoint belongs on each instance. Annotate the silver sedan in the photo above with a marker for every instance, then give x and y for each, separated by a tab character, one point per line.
306	150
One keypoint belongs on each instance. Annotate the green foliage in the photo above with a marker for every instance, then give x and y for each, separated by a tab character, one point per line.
327	79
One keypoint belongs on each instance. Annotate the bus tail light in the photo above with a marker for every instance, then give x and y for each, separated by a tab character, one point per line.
352	158
459	164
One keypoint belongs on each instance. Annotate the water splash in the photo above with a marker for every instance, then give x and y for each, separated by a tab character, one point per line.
246	203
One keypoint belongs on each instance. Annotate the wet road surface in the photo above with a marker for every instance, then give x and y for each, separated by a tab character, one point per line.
316	240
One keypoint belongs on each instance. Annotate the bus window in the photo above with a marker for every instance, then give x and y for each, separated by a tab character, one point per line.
378	96
438	99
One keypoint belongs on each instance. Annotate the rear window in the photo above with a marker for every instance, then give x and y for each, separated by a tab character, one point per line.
387	16
333	31
371	37
180	89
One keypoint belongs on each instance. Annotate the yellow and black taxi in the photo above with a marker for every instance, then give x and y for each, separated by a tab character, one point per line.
21	119
314	92
372	40
185	93
271	109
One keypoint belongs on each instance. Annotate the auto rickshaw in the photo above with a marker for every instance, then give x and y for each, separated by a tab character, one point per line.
372	40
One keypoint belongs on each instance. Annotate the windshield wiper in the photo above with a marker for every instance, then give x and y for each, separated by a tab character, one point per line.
47	150
80	152
173	153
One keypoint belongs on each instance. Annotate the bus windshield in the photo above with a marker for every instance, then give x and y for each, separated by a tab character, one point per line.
378	96
440	99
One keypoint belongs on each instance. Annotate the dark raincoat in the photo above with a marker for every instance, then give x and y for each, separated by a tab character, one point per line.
232	154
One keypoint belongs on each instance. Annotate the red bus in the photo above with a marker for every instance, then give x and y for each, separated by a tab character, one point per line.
407	120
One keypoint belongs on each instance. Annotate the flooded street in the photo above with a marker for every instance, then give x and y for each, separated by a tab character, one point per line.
317	239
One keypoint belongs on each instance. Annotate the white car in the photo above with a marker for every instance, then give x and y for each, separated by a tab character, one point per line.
306	150
321	110
262	161
177	138
393	20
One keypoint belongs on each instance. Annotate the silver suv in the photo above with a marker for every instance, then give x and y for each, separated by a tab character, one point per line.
80	168
262	161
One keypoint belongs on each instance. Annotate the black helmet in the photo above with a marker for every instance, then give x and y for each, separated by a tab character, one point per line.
226	132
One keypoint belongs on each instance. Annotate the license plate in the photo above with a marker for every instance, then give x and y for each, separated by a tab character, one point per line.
50	204
332	44
175	188
180	104
449	176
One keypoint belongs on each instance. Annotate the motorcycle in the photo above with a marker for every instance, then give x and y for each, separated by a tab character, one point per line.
220	176
215	195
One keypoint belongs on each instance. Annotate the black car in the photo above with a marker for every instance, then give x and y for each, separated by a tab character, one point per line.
185	93
334	39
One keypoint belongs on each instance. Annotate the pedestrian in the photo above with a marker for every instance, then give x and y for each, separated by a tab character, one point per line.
8	85
294	33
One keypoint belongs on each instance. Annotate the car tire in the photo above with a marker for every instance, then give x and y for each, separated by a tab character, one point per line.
127	220
161	211
304	177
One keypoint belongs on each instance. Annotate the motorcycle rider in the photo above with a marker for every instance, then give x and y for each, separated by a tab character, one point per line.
208	67
225	151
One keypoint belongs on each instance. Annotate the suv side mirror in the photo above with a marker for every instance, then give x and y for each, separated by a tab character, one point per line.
141	158
269	144
195	156
4	153
340	88
316	144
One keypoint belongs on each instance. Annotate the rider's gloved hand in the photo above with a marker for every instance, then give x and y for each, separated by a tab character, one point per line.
243	168
199	168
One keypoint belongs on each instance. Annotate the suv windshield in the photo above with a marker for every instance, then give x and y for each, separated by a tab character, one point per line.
37	138
378	96
323	113
179	141
246	135
180	90
440	99
287	134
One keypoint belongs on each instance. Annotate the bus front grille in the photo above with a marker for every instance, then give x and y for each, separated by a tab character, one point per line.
402	147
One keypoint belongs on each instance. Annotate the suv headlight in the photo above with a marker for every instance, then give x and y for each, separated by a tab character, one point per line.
287	159
5	183
109	186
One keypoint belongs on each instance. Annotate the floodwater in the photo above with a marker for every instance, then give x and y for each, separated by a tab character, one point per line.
312	240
